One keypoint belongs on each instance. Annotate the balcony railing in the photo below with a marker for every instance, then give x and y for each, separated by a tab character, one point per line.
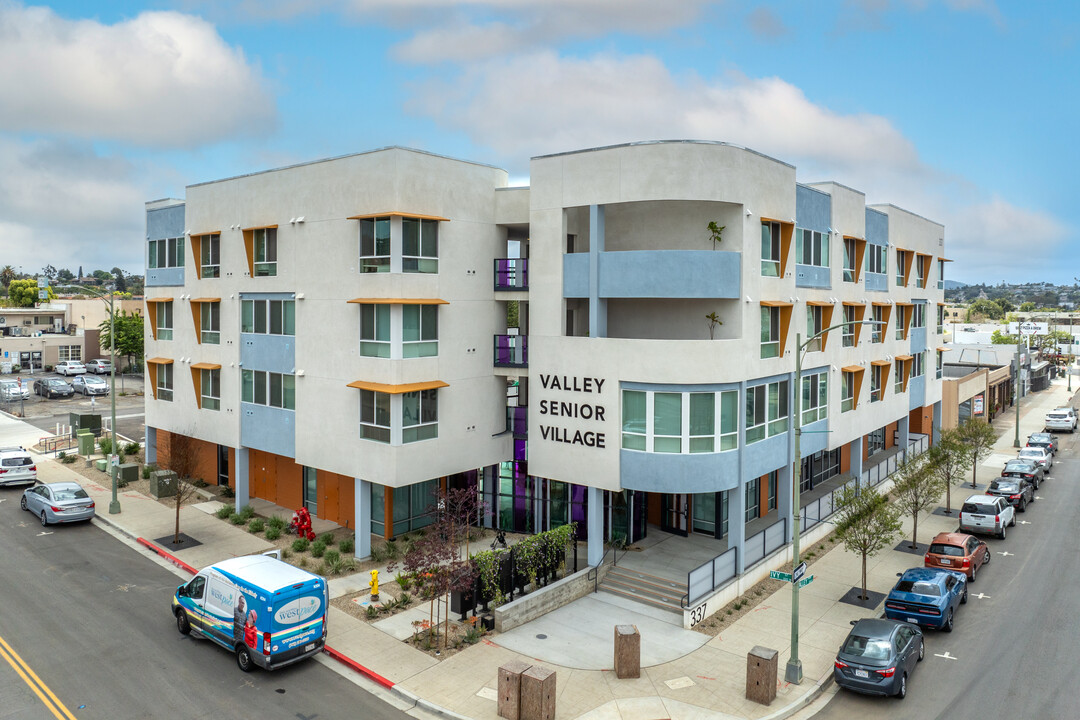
512	274
517	421
511	351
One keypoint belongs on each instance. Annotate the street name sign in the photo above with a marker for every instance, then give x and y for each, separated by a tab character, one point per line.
777	575
806	581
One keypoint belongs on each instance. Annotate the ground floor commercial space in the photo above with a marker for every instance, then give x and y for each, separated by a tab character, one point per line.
515	501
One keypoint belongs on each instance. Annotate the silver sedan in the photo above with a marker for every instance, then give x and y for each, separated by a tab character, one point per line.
59	502
90	385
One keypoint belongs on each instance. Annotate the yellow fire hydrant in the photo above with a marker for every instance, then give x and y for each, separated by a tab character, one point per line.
374	585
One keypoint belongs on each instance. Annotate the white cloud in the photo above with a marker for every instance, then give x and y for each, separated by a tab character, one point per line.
159	79
767	25
996	239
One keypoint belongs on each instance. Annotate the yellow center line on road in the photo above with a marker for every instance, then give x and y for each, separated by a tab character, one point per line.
34	682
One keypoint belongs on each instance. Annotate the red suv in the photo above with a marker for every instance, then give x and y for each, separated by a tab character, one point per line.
956	551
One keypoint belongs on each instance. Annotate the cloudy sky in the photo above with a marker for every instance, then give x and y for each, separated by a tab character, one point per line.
960	110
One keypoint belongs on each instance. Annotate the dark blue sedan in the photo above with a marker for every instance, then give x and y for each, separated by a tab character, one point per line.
928	597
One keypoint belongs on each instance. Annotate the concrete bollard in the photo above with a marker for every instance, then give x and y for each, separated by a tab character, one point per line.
509	703
627	651
538	694
761	669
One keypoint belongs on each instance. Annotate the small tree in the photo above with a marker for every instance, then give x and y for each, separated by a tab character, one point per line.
948	458
714	321
917	487
866	523
716	233
977	438
183	459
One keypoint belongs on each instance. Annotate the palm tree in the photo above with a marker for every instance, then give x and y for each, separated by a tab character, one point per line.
7	274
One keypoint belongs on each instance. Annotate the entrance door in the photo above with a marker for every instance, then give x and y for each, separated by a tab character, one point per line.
223	465
675	513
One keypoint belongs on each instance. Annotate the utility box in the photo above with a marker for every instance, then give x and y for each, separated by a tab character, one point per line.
85	440
761	669
538	694
84	421
163	483
127	473
627	651
101	464
509	704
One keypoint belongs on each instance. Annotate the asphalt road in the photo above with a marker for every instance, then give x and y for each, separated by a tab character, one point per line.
1012	654
88	618
45	413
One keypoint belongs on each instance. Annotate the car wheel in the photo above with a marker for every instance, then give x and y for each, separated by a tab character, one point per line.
947	627
1023	505
902	692
1012	523
182	623
963	598
22	502
44	519
1001	535
973	571
243	658
922	650
986	560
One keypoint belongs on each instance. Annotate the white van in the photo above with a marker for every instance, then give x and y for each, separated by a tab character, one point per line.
267	612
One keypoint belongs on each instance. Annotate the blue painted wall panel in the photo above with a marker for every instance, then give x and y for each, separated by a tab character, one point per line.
813	209
812	276
765	456
165	223
675	473
656	274
917	336
917	391
576	275
164	277
272	353
877	281
815	438
877	227
269	429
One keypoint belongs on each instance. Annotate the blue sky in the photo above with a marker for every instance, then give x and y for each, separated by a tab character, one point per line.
959	110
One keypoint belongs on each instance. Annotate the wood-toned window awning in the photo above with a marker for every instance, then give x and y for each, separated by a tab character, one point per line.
904	358
881	363
397	213
205	366
397	389
817	303
206	300
853	368
903	302
943	303
204	234
776	303
260	227
855	303
882	304
941	349
398	301
159	300
159	361
941	259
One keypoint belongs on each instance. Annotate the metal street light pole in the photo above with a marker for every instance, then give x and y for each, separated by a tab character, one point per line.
793	672
1016	390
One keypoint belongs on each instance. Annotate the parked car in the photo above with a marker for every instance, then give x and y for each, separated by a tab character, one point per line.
928	597
877	657
13	390
59	502
17	467
1025	469
1018	491
1063	419
90	385
956	551
1046	440
1039	455
70	367
99	366
987	514
52	387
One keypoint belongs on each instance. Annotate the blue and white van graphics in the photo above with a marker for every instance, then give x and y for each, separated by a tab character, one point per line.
268	612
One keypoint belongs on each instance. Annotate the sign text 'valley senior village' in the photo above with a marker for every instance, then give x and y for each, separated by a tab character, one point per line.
572	409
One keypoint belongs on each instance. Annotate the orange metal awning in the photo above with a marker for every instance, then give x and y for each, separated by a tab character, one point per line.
418	216
157	300
202	300
855	303
397	389
160	361
205	366
776	303
817	303
853	368
399	301
260	227
881	362
905	358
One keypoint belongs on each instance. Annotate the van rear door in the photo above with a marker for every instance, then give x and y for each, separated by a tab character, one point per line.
298	621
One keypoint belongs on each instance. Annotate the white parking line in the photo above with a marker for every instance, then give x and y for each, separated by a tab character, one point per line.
946	656
1024	522
981	596
43	533
1006	553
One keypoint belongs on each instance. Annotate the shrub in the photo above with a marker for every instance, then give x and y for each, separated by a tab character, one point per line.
403	600
272	533
247	512
256	526
346	546
404	581
372	612
132	448
377	554
318	548
472	635
327	539
286	553
332	556
223	512
277	522
335	566
227	492
237	519
200	483
303	561
300	545
147	469
391	549
67	459
105	443
321	570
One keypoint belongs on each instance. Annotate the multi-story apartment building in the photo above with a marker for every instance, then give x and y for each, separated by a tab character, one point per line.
346	344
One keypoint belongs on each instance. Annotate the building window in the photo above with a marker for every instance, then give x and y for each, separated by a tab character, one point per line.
901	371
902	312
918	320
766	410
210	255
165	321
814	327
811	247
920	270
847	392
877	259
815	397
375	330
940	274
875	383
166	253
419	415
211	389
165	382
69	352
901	265
375	245
311	492
210	322
940	362
753	500
817	468
848	335
770	332
770	249
940	319
268	388
877	332
774	477
265	244
378	509
680	422
375	416
850	258
419	245
420	330
918	366
268	317
413	506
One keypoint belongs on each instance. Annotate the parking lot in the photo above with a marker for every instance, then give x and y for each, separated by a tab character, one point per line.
45	413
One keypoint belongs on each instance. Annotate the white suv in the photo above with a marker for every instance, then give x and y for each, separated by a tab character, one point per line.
1063	418
17	467
70	367
987	514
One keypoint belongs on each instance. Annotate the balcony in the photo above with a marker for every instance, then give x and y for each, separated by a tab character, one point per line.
512	274
691	274
517	421
511	351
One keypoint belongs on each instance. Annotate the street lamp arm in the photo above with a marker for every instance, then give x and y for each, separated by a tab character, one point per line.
819	333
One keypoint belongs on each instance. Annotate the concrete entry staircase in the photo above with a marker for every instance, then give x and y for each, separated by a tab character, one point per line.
642	587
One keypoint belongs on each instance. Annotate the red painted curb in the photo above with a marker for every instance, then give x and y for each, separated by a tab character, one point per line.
168	556
346	660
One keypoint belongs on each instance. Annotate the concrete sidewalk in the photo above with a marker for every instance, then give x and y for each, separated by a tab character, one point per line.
704	681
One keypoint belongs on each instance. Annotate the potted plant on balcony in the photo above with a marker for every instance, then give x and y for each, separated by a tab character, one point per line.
714	320
715	233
